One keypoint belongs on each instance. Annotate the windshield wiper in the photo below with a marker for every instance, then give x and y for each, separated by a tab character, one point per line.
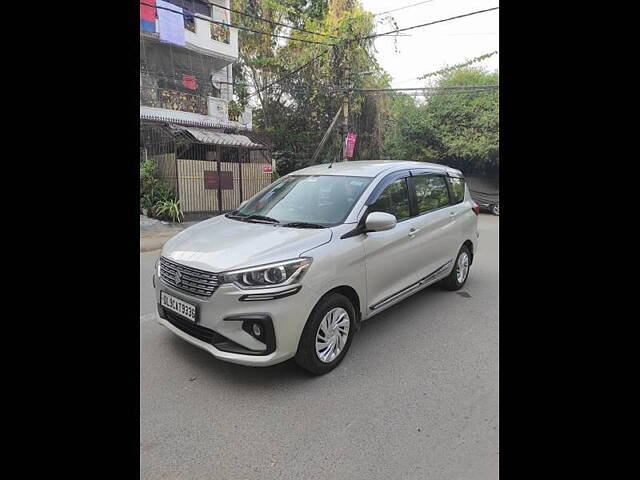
303	225
260	217
235	214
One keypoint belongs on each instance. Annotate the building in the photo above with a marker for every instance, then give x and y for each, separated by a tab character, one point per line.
189	123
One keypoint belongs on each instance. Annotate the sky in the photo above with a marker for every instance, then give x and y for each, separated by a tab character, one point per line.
431	48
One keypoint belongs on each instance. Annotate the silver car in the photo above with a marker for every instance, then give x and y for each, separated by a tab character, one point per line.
294	270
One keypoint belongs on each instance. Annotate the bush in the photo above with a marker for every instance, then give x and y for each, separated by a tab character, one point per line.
152	190
169	209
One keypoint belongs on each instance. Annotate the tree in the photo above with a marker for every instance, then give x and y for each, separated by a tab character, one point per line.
410	135
467	124
296	111
460	129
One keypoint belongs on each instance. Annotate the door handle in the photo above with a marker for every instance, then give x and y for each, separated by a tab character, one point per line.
413	231
452	214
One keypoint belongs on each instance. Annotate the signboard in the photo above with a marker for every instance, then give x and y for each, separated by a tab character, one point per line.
212	180
351	143
267	168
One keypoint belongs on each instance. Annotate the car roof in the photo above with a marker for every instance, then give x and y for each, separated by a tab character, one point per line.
372	168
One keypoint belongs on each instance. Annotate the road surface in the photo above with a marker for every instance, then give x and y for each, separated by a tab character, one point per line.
415	398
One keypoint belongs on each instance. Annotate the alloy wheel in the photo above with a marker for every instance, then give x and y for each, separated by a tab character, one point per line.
462	268
332	334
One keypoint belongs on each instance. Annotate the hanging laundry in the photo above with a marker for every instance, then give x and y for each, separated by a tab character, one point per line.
148	16
189	81
170	23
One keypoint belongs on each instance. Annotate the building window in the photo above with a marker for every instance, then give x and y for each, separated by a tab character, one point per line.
194	6
189	21
220	33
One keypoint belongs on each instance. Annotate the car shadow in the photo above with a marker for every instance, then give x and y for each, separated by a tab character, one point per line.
287	373
209	366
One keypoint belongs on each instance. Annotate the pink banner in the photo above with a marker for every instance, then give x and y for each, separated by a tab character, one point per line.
351	143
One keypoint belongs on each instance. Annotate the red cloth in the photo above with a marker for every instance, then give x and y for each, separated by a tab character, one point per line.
148	12
189	81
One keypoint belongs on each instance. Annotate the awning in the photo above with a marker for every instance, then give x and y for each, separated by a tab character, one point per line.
218	138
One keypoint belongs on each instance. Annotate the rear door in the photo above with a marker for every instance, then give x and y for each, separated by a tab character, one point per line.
391	263
436	237
465	220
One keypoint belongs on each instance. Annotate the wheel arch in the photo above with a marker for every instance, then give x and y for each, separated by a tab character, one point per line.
351	294
469	245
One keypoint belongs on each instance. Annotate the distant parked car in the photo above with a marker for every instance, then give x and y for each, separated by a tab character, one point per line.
488	207
485	191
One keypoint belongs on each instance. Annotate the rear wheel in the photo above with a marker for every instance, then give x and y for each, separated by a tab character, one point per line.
327	335
458	276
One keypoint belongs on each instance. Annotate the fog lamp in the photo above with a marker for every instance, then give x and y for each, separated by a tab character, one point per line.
257	331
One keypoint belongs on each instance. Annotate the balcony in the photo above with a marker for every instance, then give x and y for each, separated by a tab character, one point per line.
201	102
213	39
207	38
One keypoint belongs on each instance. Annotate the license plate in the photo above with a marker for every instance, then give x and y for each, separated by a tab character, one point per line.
178	306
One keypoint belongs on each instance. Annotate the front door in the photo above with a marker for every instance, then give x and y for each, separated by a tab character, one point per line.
391	264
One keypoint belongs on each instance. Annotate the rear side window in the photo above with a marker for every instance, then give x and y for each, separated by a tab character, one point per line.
394	199
431	192
457	189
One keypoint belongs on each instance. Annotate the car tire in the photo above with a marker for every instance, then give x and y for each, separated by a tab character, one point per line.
495	209
330	307
454	281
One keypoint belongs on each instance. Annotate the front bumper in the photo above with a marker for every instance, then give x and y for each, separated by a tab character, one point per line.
288	316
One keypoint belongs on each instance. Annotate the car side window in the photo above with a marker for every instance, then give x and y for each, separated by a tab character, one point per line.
457	189
431	192
394	199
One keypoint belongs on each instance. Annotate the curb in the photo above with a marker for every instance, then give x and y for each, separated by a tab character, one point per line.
155	237
155	242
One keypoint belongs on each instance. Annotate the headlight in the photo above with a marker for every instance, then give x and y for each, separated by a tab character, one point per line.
158	267
266	276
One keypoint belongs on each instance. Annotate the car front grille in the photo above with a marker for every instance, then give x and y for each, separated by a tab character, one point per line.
190	280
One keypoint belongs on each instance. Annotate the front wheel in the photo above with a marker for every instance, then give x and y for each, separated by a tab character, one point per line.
495	209
458	276
327	335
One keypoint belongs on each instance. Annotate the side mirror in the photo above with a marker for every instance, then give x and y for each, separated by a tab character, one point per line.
380	221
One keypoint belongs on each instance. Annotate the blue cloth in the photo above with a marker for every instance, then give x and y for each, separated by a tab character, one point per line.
170	23
147	26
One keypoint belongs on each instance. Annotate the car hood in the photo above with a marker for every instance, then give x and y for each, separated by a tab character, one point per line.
221	244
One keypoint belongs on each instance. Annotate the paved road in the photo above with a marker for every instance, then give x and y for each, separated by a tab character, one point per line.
415	398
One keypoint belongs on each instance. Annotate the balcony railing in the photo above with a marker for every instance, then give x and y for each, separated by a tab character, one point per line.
173	100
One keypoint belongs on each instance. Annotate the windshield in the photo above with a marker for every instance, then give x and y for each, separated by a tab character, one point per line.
318	199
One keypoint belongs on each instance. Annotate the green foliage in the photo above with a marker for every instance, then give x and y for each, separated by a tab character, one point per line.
152	190
297	111
456	129
459	66
461	130
169	209
410	134
235	110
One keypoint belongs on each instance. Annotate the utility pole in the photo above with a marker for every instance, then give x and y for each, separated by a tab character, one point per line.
345	115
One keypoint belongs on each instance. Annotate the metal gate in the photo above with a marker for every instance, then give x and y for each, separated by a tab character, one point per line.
207	178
